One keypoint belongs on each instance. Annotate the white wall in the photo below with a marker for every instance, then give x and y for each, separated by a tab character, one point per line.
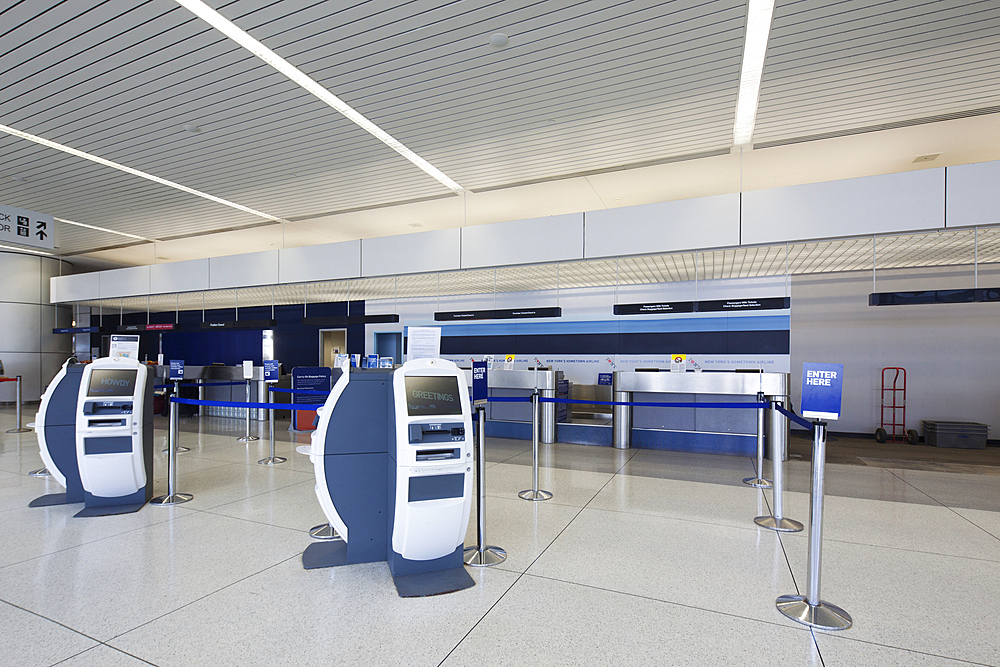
948	350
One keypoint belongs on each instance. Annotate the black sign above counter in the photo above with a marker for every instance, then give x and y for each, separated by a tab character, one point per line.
934	296
504	314
770	303
654	308
147	327
76	330
240	324
723	305
344	320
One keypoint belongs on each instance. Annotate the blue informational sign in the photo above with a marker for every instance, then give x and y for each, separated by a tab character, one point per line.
316	378
604	379
372	361
822	386
176	369
272	370
479	383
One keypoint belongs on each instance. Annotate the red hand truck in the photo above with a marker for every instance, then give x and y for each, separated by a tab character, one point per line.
894	408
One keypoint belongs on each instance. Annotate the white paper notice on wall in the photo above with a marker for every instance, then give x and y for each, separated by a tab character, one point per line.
423	343
124	346
248	369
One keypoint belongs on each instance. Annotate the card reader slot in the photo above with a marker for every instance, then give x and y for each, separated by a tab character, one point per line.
438	454
95	423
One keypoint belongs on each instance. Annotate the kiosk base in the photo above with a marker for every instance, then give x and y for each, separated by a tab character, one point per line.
425	584
53	499
325	554
110	510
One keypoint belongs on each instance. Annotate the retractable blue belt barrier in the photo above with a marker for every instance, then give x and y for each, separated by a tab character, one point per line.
202	384
795	418
312	392
647	404
239	404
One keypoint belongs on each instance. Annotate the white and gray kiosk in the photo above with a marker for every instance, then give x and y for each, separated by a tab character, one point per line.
55	428
392	454
114	436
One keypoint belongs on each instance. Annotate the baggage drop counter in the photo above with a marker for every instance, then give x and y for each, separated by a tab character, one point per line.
513	420
710	430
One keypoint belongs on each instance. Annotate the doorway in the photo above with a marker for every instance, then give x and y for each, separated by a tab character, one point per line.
390	344
331	343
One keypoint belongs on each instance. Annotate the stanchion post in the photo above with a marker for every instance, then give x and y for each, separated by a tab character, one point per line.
759	481
810	609
19	428
534	493
177	392
248	437
779	443
482	555
271	459
172	497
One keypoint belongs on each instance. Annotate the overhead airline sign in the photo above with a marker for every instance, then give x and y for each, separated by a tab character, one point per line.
26	227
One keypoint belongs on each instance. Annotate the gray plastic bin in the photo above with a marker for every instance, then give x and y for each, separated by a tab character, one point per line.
963	435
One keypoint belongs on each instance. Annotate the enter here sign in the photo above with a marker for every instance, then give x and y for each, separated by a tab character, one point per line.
822	386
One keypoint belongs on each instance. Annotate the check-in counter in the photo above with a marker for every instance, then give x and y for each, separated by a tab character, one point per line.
522	383
705	387
208	374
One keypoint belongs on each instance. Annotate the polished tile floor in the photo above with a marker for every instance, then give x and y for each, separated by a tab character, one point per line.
641	557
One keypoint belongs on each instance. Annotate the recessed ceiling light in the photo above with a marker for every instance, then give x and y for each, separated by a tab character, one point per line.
19	179
135	172
194	129
163	258
31	250
754	49
926	158
101	229
499	40
230	30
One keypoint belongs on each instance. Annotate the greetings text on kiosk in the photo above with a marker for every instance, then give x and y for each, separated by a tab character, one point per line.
429	395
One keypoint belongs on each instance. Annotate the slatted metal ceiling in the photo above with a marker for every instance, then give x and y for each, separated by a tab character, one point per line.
582	86
837	65
961	247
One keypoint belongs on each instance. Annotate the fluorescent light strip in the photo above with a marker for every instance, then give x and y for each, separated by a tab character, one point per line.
754	49
229	29
102	229
19	249
134	172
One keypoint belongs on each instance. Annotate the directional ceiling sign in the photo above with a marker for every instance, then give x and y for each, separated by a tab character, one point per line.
26	227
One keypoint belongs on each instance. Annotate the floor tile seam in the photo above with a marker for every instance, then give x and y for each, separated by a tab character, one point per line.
912	486
50	620
277	488
113	648
952	509
481	618
812	634
199	599
550	501
804	534
190	512
784	552
777	622
259	523
841	635
753	527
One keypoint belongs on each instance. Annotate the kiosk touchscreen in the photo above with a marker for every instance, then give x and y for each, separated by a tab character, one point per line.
114	436
55	427
392	454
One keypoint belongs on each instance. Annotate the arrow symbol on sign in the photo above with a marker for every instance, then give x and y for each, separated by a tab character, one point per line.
40	234
41	225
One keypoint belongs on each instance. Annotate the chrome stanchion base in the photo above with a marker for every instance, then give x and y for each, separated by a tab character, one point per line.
324	531
41	472
758	482
272	461
824	616
19	430
247	438
780	525
531	494
166	450
175	499
488	556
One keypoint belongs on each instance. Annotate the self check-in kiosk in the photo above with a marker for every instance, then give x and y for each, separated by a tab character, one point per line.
392	454
114	436
55	428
